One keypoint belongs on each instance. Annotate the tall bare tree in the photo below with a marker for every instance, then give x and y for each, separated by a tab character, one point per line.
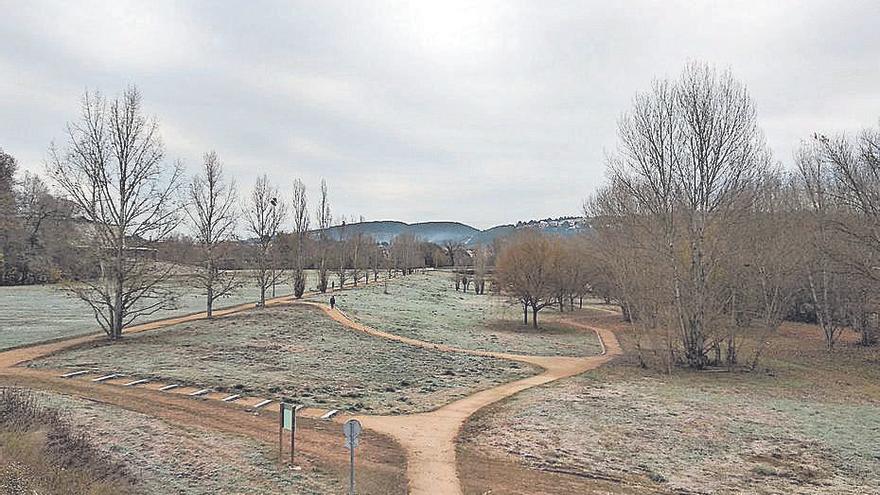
300	231
828	287
852	167
689	152
324	218
404	253
211	209
265	213
113	168
481	266
342	253
358	256
451	248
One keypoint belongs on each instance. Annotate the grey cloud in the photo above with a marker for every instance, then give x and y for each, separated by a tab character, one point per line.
483	112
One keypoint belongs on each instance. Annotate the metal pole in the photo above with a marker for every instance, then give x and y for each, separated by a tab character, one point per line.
280	432
292	434
351	473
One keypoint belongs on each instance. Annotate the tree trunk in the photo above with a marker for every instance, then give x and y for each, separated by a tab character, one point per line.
209	311
118	289
525	314
534	317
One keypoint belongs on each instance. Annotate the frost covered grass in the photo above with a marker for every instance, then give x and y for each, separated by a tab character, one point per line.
296	352
807	423
164	458
36	313
427	307
41	452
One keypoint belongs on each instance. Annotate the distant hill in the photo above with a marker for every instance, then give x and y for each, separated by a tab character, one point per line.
439	232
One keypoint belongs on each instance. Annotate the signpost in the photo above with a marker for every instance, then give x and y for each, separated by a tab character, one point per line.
352	430
287	421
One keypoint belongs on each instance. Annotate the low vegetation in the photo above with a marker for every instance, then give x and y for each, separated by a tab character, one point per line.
298	353
806	423
136	454
41	452
425	307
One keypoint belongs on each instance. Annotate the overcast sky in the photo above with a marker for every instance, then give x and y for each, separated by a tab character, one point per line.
476	111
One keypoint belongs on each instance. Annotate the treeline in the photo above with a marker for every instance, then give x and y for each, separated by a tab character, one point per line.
706	242
126	220
35	228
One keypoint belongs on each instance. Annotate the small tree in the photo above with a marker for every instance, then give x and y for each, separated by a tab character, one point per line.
265	213
212	212
113	168
324	218
301	229
525	270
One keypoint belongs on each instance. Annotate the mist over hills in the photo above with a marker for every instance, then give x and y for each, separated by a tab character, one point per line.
439	232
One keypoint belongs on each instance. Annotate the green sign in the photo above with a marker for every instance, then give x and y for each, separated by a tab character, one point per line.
288	417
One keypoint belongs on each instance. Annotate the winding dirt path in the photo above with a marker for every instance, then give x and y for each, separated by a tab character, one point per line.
429	438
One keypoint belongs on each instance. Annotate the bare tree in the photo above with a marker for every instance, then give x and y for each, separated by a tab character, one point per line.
377	259
358	264
481	261
689	152
404	255
525	271
828	287
324	218
113	168
451	248
342	253
301	230
265	213
211	209
766	263
850	230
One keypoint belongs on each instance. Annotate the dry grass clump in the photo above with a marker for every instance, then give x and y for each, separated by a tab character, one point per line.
41	453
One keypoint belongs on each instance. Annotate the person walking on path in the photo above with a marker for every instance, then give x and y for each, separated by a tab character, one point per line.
332	302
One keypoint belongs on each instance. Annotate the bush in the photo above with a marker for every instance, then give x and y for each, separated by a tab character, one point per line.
50	454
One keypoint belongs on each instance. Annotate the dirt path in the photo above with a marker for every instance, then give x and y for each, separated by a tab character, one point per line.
429	438
19	355
381	461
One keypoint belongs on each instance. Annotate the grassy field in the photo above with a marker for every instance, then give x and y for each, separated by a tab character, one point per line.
155	456
807	423
31	314
427	307
299	353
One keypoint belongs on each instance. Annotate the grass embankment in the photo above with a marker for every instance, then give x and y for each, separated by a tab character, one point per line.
128	452
807	422
299	353
40	452
427	307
